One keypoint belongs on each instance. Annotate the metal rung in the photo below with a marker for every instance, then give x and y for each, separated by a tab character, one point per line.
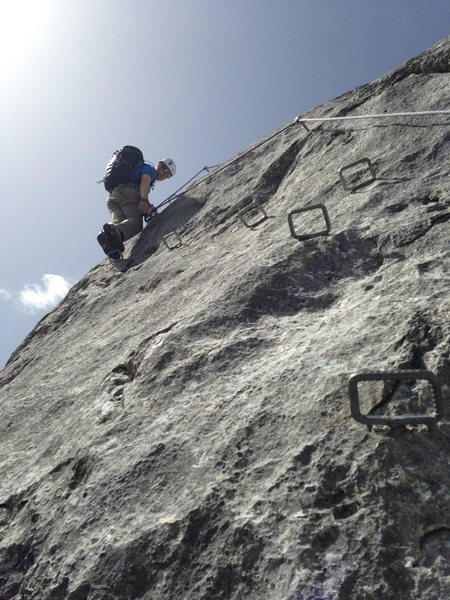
363	161
253	206
400	420
169	235
323	208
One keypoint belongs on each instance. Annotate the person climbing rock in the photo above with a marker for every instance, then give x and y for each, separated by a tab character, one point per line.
128	203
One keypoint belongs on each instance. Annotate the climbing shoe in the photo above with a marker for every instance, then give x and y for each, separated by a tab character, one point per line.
103	241
114	237
111	253
115	255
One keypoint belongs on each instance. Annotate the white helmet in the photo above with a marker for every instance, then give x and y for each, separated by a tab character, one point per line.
170	165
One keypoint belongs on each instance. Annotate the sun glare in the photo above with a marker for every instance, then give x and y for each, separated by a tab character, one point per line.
22	25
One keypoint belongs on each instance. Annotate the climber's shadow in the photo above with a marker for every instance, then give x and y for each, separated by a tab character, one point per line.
168	222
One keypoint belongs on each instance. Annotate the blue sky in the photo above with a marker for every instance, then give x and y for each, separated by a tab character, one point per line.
196	80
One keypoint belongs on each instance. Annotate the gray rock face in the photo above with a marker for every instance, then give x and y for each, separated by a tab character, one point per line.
179	427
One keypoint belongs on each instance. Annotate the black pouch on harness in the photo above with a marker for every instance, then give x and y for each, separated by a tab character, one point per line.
120	167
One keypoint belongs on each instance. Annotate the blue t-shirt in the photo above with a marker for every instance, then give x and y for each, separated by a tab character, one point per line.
145	169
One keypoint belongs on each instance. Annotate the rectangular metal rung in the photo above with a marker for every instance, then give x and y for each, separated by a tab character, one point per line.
168	236
346	183
253	206
308	236
396	420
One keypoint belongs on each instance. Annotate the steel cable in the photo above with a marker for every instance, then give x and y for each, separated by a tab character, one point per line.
302	121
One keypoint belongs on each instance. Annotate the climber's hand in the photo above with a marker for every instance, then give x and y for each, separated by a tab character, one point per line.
145	207
152	213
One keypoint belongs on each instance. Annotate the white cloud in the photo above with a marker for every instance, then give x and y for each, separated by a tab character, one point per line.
4	294
37	297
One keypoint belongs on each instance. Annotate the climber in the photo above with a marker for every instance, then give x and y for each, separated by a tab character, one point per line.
128	203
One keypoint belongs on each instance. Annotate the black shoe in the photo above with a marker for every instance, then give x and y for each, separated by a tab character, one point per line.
114	237
112	253
115	255
103	241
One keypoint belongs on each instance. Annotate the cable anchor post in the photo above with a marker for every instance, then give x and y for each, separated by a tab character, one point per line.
302	123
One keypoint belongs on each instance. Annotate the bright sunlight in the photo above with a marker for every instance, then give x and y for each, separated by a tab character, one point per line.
23	25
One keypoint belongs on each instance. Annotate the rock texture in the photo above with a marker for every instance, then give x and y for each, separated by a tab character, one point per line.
179	426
